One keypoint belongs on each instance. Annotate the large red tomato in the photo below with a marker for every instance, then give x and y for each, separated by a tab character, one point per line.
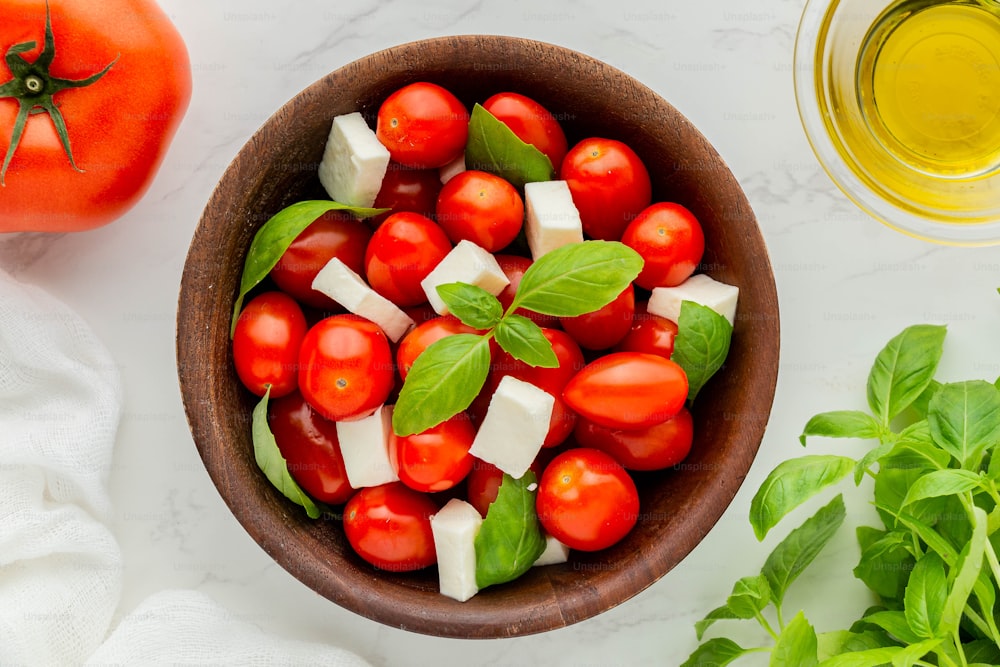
532	123
266	343
406	189
654	448
480	207
436	459
649	333
606	326
423	125
390	527
401	252
671	242
85	117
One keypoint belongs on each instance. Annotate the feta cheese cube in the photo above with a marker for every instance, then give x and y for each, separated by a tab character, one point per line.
347	288
354	162
699	288
555	552
515	426
364	445
552	218
454	528
465	263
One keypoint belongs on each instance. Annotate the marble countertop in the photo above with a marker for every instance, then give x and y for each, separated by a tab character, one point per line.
846	284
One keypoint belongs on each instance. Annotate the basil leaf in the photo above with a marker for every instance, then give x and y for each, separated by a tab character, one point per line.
935	541
964	419
842	424
797	645
716	652
801	546
701	344
790	484
870	458
577	278
939	483
969	564
982	651
524	340
903	369
473	305
493	147
899	656
272	463
749	597
723	613
885	562
443	381
844	641
510	539
273	238
925	596
893	622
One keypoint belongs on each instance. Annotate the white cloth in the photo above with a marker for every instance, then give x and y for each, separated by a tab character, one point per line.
60	565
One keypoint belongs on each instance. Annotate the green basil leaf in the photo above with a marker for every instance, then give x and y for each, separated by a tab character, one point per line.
701	344
934	540
984	651
885	562
903	369
873	657
749	597
443	381
577	278
922	403
723	613
473	305
493	147
898	471
842	424
716	652
986	595
797	645
893	622
925	596
870	458
272	463
938	483
524	340
801	546
510	539
844	641
790	484
274	236
964	419
969	564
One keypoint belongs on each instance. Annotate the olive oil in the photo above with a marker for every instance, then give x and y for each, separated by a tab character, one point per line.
928	85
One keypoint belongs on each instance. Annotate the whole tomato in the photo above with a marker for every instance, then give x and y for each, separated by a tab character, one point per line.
649	333
333	234
628	390
390	527
345	367
423	125
266	343
87	115
480	207
609	184
670	241
423	335
586	499
531	122
401	253
310	446
514	267
436	459
406	189
606	326
654	448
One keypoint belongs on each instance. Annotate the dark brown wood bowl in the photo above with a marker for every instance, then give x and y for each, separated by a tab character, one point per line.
679	506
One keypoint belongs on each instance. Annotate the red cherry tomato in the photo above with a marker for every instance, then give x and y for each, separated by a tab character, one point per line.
654	448
605	326
586	499
345	367
406	189
390	527
671	242
609	183
628	390
401	253
649	333
436	459
334	234
480	207
423	125
532	123
310	446
420	338
514	267
266	343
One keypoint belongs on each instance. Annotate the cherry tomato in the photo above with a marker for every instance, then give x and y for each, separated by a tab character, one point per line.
401	253
345	367
532	123
605	326
266	342
514	267
586	499
310	446
420	338
671	242
649	333
609	183
628	390
390	527
423	125
654	448
333	234
436	459
480	207
406	189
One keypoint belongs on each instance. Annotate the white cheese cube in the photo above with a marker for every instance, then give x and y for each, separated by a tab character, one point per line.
552	218
454	528
347	288
364	445
555	552
465	263
514	427
452	169
699	288
354	162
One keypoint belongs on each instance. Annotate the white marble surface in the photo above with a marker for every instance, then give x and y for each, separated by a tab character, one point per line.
845	283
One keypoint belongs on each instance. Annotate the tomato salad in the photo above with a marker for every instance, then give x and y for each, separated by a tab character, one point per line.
477	339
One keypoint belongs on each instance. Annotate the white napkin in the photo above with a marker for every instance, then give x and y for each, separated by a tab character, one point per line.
60	565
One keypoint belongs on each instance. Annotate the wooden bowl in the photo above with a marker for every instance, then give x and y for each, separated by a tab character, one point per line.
278	167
